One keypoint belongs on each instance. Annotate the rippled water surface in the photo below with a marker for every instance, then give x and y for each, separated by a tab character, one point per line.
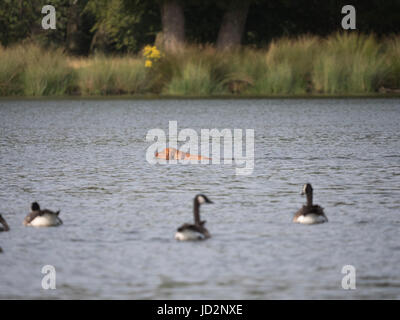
120	213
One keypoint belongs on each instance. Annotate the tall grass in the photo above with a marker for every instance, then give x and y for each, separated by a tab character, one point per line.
288	66
195	72
112	75
343	63
350	64
11	71
392	47
47	73
32	71
193	79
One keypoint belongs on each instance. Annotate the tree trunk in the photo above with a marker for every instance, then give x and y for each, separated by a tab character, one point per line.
233	23
173	24
72	41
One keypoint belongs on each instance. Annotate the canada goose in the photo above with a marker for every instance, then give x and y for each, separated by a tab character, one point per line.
4	223
309	213
195	231
42	218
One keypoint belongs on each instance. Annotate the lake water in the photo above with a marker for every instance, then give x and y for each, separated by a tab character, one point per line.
120	213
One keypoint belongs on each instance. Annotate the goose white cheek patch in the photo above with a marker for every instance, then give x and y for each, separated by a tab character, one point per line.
201	199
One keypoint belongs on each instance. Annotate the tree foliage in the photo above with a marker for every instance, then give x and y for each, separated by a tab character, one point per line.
128	25
123	25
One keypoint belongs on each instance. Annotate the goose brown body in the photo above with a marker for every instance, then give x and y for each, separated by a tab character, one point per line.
42	218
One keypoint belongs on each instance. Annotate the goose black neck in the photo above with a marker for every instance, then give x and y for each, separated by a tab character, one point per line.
309	198
196	212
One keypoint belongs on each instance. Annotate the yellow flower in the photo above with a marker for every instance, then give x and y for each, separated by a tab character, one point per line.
148	64
155	54
151	52
147	50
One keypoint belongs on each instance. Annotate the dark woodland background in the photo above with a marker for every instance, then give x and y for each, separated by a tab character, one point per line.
125	26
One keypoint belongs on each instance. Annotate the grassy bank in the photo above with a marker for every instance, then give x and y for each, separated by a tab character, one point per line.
342	64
